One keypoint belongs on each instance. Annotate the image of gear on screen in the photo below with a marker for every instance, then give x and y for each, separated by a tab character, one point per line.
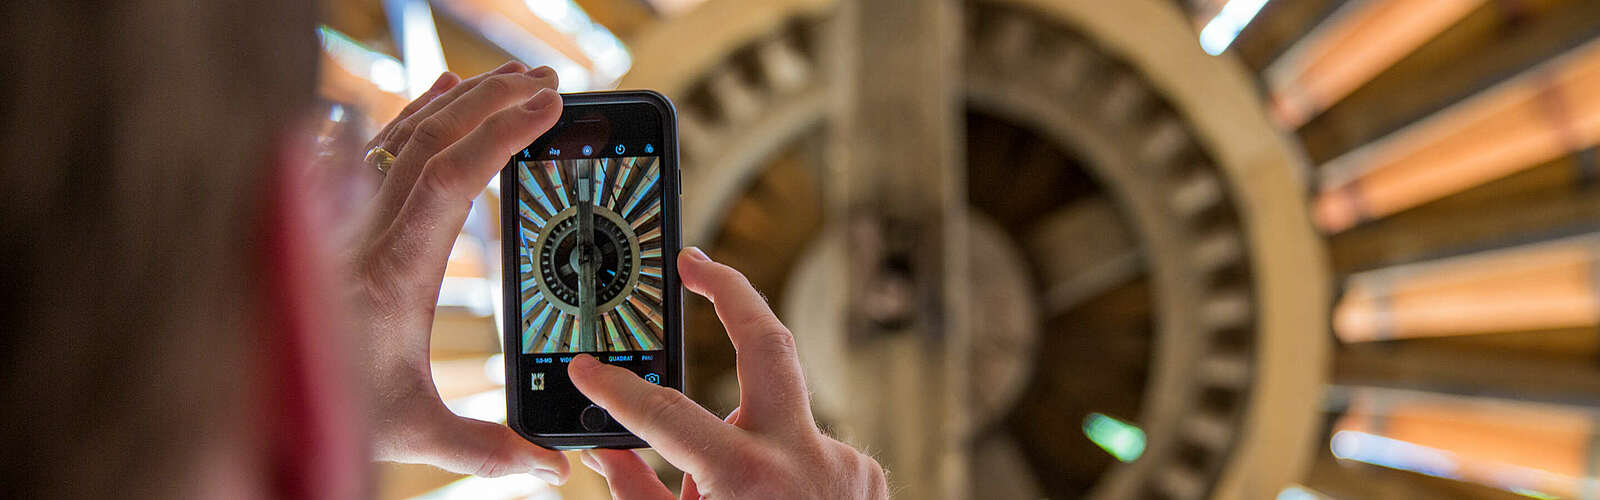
590	265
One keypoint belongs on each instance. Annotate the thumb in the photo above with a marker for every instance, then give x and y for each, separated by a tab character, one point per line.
626	474
480	448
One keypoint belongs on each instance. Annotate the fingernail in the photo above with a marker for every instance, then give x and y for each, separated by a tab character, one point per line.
541	100
583	361
696	254
589	460
509	67
547	475
540	72
439	84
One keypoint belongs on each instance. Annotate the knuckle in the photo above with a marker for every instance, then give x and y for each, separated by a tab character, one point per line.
501	84
503	126
816	453
497	463
402	132
737	278
435	131
727	280
775	338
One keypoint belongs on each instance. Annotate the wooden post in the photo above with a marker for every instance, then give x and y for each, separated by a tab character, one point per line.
897	181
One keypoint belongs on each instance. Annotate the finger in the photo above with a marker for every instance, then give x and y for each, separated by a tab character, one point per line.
396	141
480	448
445	81
676	427
426	226
436	129
691	491
397	183
627	474
772	390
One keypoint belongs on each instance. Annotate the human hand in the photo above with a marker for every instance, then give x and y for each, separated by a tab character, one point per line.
448	144
769	447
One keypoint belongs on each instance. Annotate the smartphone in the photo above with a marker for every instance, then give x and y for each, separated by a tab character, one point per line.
590	233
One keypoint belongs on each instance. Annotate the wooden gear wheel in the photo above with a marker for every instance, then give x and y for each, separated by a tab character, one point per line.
1135	228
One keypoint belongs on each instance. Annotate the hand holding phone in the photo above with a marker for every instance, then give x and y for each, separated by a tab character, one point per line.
590	219
449	143
769	447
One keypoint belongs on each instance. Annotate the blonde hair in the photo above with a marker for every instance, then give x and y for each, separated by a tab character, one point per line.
134	161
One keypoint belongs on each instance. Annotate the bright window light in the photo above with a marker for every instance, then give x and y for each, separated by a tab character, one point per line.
383	71
1220	32
1294	493
1121	439
419	43
495	369
1394	454
611	58
1397	454
488	406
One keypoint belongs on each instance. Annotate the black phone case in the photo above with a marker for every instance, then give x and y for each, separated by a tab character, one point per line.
671	194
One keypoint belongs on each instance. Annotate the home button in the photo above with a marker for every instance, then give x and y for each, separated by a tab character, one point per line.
594	418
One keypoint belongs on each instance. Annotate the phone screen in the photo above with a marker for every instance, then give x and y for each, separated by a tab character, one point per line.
595	212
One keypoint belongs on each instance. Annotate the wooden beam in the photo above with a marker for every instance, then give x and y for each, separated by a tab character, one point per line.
1547	112
1551	199
1278	26
1507	444
1496	41
461	377
1541	286
490	18
899	189
1345	479
1081	251
337	83
1469	370
1348	49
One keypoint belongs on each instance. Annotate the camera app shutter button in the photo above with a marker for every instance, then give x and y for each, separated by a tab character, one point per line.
594	418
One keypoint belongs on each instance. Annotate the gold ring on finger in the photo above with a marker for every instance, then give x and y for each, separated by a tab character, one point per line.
380	158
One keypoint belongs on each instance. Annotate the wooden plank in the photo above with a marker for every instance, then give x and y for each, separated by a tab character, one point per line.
899	184
1344	479
1344	52
1542	286
1494	42
1081	251
1448	368
1548	112
1276	28
1488	441
1547	200
490	18
337	83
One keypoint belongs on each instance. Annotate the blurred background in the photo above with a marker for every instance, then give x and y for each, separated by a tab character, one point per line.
1170	249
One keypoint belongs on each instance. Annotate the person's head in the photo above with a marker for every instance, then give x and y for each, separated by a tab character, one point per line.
142	142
